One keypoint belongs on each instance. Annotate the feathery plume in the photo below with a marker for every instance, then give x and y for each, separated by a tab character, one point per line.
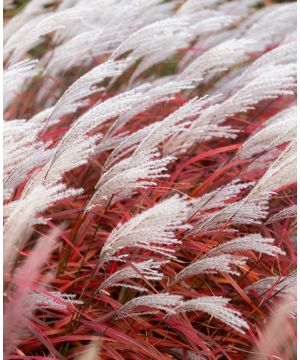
146	269
64	158
74	97
286	213
153	95
78	49
151	230
31	33
53	300
22	214
283	54
253	242
163	302
281	172
41	120
33	9
150	38
22	153
195	27
218	198
274	134
211	265
52	172
181	143
217	59
175	122
277	80
283	285
15	76
108	27
264	31
215	306
241	212
144	165
123	179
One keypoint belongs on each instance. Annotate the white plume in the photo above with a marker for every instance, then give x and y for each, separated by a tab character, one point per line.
151	230
215	306
253	242
163	302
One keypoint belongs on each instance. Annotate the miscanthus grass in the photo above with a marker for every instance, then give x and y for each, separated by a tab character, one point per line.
149	179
